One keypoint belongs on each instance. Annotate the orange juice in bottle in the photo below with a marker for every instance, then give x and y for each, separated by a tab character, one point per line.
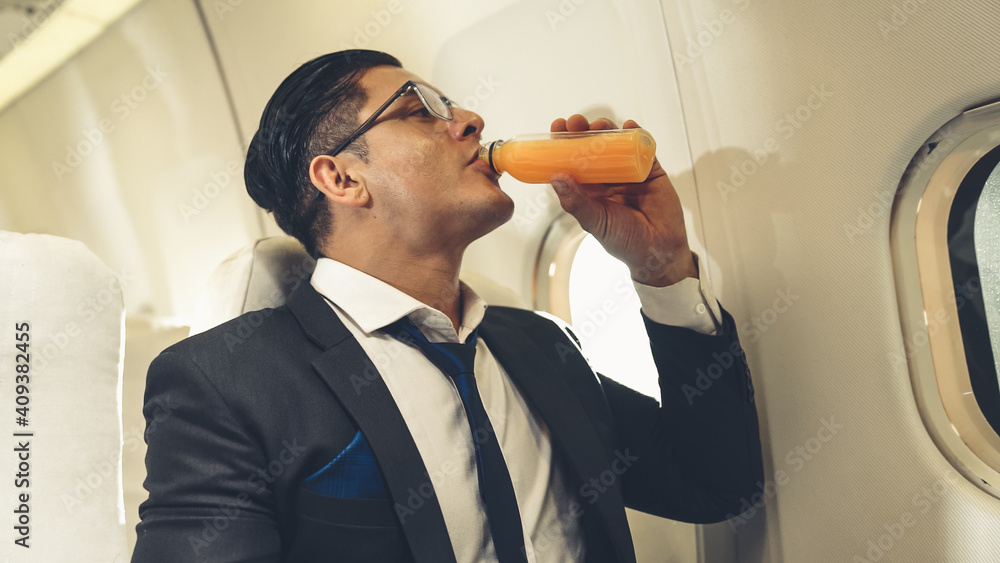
591	157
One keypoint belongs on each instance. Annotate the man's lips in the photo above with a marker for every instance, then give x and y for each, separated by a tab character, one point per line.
485	169
482	166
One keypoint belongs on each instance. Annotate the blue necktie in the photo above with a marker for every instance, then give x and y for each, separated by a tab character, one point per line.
456	360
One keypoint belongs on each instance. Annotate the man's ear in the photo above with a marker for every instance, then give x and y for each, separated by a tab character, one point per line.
338	182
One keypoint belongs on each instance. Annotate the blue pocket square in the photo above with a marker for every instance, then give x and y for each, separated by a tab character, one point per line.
352	474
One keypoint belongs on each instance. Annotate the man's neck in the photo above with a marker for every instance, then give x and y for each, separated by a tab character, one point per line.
430	279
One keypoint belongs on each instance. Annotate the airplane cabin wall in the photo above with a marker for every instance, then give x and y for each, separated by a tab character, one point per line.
802	117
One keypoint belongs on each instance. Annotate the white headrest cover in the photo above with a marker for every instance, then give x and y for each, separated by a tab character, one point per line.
255	277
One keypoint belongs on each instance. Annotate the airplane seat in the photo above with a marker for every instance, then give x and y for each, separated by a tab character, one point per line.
263	273
61	356
257	276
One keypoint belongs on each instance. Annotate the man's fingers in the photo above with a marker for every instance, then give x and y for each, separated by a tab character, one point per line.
602	123
577	122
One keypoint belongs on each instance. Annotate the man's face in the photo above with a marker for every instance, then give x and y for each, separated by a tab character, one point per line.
422	172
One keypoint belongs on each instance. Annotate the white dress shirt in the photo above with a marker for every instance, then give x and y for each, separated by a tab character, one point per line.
432	407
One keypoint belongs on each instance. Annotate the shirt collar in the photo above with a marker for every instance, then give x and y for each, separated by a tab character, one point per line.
372	304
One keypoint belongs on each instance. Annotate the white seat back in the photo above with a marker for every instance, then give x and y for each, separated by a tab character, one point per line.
61	316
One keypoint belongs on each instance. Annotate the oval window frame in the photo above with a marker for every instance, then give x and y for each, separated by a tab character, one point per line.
934	350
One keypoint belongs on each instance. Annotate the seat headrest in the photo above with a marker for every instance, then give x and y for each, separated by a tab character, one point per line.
257	276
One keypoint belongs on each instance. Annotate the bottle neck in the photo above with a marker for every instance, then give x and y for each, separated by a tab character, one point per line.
488	154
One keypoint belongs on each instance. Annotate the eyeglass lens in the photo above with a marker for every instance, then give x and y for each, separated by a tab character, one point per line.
434	101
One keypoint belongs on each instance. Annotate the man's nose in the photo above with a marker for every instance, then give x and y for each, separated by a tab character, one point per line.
464	124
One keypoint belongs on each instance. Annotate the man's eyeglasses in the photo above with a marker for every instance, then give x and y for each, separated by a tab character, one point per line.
438	105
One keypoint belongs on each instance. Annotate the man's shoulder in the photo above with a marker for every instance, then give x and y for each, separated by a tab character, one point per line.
242	337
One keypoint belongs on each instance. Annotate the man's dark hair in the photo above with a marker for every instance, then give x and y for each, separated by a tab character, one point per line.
311	112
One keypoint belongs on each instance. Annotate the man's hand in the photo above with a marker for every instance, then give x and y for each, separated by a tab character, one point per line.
641	224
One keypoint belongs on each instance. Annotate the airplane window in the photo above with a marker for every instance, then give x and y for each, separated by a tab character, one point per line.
605	316
945	242
974	250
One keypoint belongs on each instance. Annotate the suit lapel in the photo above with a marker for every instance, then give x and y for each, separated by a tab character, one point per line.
544	386
357	384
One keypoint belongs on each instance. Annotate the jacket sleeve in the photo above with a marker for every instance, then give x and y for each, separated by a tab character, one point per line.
697	454
206	501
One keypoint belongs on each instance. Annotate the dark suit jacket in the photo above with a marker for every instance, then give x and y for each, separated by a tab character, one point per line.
239	416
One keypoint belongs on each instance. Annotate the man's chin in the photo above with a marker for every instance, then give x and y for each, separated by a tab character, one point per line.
491	217
508	210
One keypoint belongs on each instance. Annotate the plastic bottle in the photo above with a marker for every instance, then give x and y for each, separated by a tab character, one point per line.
591	157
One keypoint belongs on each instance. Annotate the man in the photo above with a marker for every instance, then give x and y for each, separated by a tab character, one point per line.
338	432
